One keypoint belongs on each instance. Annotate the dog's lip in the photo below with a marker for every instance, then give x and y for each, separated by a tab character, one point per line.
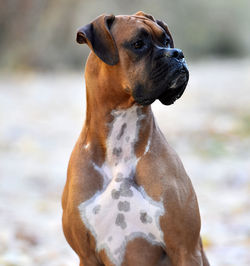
175	92
144	102
181	76
170	95
170	70
169	98
170	91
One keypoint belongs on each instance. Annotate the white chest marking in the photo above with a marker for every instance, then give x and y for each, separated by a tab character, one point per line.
122	210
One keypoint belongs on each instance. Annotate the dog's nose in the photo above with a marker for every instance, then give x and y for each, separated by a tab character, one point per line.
175	53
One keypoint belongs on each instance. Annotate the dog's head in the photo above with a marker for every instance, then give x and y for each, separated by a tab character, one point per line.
142	49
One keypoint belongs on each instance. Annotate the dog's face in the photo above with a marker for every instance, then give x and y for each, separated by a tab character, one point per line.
143	51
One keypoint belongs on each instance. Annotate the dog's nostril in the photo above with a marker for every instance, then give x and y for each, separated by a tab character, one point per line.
181	55
178	54
175	54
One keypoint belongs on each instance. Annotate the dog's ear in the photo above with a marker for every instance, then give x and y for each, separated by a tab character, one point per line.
160	23
98	37
165	27
142	14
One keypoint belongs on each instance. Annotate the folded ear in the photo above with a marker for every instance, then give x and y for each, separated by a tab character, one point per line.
160	23
165	27
142	14
98	37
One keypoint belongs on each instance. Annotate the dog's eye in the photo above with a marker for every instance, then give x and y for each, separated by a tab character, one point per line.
139	44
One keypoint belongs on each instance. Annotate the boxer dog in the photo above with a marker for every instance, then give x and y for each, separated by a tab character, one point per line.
128	200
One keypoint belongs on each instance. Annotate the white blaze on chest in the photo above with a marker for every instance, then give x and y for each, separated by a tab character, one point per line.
122	210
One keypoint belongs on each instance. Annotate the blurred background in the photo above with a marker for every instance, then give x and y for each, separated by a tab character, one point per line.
42	106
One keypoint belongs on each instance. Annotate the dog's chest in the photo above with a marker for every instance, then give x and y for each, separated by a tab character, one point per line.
122	210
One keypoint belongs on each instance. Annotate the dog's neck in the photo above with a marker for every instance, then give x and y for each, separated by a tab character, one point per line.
113	132
123	137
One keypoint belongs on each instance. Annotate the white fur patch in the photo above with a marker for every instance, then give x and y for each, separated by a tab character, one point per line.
86	146
122	210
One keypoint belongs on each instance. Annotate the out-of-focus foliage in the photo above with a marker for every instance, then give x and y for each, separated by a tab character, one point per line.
40	34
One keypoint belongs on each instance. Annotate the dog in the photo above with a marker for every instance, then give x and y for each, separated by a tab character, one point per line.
128	200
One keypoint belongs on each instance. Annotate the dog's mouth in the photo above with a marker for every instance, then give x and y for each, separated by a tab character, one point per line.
176	87
168	83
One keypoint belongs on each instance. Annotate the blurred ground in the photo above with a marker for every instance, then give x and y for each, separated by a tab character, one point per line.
41	116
